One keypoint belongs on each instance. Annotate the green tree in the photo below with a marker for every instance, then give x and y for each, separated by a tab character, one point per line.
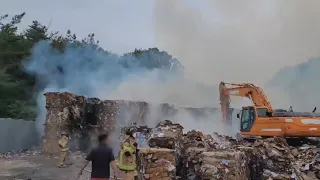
17	88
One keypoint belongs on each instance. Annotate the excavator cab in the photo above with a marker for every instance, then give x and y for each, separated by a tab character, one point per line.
249	114
247	118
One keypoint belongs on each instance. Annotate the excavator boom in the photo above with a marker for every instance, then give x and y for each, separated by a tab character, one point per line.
247	90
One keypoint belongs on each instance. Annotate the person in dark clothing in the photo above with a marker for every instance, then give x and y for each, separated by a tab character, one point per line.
101	158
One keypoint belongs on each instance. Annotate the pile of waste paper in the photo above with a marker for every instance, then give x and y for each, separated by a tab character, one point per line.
223	165
307	160
156	164
273	157
197	155
166	135
194	143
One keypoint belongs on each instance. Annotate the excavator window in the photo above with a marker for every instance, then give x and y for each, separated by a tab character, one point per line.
247	119
262	112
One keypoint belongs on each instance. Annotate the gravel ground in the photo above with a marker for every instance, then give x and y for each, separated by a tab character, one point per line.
34	166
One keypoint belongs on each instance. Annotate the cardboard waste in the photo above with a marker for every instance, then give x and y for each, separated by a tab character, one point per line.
216	156
307	160
156	164
64	110
166	135
221	164
221	160
196	155
194	143
268	158
274	158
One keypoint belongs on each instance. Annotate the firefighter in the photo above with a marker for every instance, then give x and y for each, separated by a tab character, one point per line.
127	160
63	144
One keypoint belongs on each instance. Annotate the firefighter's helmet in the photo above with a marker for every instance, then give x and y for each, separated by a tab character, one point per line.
129	131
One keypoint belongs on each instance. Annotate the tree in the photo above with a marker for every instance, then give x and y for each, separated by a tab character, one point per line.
17	88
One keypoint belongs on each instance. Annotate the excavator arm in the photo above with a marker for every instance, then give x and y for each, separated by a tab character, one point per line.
224	102
248	90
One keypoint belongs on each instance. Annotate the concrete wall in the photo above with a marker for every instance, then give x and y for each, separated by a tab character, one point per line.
17	134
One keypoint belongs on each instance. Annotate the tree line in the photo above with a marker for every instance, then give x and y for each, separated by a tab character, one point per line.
18	88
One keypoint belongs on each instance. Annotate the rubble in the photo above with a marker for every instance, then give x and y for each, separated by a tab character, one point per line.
274	156
222	157
156	164
166	135
194	143
195	139
221	164
307	160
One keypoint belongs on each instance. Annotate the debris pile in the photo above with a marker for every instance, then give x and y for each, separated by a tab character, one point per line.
196	139
271	158
203	156
224	142
194	143
197	155
223	164
212	157
307	160
156	164
166	135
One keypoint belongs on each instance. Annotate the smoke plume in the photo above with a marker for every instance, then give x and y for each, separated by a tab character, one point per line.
242	41
237	41
85	71
301	84
247	41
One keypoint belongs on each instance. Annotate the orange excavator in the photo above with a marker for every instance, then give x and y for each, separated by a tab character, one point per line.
264	121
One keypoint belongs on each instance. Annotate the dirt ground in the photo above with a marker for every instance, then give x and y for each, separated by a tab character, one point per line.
34	166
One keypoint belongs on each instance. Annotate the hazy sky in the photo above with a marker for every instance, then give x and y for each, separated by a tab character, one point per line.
120	26
245	40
